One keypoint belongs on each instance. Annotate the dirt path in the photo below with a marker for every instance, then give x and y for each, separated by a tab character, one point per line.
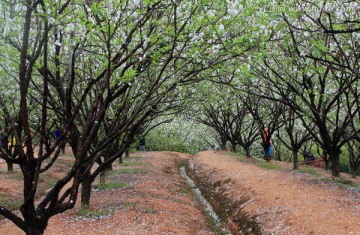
283	202
156	199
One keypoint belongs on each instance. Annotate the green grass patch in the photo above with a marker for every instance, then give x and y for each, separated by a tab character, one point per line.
45	182
183	191
344	183
9	202
269	165
309	171
65	163
149	210
213	224
113	185
86	211
131	163
125	171
132	158
16	175
128	205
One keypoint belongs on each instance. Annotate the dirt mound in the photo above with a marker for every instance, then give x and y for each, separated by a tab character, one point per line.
276	202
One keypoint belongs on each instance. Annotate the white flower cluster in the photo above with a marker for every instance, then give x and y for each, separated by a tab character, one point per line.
234	7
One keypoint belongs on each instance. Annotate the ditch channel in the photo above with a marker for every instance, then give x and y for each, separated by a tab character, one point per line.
225	212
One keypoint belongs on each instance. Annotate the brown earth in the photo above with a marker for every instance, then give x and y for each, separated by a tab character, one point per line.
283	202
158	201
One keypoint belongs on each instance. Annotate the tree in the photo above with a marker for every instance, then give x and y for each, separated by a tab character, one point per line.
266	114
76	59
296	133
307	74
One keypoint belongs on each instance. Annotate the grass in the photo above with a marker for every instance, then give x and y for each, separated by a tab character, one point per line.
125	171
149	210
17	175
213	224
348	184
9	202
310	171
86	211
183	191
65	163
132	158
113	185
131	163
269	165
129	205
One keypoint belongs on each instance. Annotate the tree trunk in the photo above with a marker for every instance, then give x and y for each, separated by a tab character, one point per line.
327	164
223	144
233	147
127	153
36	227
326	160
86	191
9	166
296	160
247	152
354	172
103	176
335	163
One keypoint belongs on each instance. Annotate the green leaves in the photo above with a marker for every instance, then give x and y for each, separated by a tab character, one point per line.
320	48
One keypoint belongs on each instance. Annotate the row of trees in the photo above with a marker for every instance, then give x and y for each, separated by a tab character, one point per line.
302	77
76	63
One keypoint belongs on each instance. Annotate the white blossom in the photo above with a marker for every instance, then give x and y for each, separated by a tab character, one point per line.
221	27
51	20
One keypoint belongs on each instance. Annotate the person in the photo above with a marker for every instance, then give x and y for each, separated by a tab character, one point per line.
3	139
310	158
268	149
142	146
57	134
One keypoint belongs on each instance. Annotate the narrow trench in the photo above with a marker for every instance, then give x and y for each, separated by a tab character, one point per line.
207	207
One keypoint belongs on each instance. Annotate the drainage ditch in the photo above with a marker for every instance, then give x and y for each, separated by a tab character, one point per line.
214	197
208	208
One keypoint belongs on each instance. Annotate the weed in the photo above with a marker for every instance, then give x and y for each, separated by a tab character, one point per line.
151	211
213	224
269	165
129	205
131	163
18	175
183	191
86	211
133	158
65	163
113	185
9	202
309	171
125	171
